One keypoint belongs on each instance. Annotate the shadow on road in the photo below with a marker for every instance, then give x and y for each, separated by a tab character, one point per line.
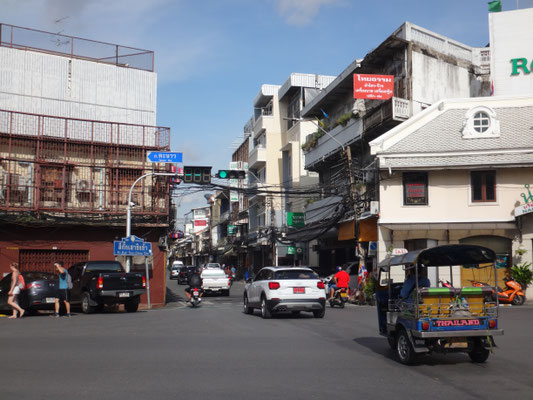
173	297
380	346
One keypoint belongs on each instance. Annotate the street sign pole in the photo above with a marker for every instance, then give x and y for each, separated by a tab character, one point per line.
147	282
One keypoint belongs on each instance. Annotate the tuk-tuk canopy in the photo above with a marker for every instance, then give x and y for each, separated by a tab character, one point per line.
452	254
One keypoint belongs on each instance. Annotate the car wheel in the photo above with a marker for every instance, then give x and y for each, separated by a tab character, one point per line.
131	306
246	308
86	307
404	348
265	312
319	313
226	293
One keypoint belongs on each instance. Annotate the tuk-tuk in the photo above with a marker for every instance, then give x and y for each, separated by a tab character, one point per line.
437	315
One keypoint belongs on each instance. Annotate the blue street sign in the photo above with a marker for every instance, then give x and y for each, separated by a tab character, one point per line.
132	246
165	156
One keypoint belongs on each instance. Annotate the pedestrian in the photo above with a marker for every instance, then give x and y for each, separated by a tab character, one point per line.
62	294
233	272
17	283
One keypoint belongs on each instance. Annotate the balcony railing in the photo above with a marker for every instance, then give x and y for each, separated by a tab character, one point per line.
257	157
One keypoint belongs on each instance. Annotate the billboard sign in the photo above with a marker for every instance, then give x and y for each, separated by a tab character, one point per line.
511	56
373	87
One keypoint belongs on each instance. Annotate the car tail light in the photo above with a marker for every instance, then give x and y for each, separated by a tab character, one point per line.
492	323
32	285
273	285
144	281
320	285
425	326
100	283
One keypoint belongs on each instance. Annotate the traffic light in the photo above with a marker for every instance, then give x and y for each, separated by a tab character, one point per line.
231	174
198	175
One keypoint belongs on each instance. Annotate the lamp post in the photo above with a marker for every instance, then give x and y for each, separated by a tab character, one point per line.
131	204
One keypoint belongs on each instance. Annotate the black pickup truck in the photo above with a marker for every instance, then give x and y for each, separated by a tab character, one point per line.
99	283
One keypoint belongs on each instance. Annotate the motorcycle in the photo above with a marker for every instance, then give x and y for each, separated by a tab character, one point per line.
340	297
195	297
511	294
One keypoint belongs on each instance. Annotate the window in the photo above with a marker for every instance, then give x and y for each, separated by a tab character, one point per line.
415	188
293	111
483	186
481	122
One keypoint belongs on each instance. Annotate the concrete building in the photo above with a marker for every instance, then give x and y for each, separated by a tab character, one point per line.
425	67
275	163
75	130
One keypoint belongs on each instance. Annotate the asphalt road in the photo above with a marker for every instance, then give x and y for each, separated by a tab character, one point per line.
217	352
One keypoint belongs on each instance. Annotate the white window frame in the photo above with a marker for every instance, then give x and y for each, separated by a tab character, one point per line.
469	129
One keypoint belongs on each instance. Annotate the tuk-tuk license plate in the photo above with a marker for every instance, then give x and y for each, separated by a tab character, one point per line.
124	294
448	323
457	343
298	290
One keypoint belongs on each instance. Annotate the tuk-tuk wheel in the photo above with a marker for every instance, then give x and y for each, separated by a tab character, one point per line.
404	348
479	354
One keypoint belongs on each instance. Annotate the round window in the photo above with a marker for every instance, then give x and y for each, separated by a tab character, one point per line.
481	122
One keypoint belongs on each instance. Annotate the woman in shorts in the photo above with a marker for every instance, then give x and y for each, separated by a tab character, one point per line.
16	283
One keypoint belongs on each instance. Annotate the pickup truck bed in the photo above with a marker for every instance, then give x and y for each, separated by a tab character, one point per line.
215	280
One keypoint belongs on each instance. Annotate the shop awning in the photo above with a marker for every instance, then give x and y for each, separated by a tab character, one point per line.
346	230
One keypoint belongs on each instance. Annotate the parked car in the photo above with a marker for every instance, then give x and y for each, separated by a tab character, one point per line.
185	272
99	283
276	289
175	271
215	280
39	292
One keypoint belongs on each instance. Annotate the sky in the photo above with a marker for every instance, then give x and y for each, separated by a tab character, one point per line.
212	56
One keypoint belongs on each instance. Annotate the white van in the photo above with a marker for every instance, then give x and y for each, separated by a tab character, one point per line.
175	269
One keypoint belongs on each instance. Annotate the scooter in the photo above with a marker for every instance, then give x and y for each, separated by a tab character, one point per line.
340	297
195	297
512	294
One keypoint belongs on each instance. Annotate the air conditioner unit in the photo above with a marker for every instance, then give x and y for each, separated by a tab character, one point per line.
83	186
374	207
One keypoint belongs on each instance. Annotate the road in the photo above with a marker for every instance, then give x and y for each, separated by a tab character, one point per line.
217	352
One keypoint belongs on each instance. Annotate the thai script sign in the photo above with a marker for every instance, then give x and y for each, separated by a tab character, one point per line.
373	87
296	219
132	246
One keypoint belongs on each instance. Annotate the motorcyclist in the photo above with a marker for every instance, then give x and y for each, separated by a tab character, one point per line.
195	282
341	280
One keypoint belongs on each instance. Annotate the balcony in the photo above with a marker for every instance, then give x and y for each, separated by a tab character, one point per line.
257	158
264	123
392	111
332	142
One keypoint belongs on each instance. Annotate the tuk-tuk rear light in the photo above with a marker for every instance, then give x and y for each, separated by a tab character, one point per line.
492	323
425	326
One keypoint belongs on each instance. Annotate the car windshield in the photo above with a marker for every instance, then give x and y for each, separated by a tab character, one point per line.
38	276
295	274
213	265
105	267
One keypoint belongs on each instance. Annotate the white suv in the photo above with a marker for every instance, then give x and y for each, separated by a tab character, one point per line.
276	289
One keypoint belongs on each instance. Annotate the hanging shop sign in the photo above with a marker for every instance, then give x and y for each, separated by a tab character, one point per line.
527	207
373	87
296	219
232	229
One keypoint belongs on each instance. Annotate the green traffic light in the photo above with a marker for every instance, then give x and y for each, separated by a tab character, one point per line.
223	174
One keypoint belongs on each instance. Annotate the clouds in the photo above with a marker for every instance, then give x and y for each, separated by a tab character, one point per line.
302	12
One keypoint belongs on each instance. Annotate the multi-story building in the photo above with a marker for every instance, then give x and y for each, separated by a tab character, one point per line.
276	165
426	67
76	123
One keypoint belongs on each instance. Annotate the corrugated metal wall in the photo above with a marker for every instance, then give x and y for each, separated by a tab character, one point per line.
52	85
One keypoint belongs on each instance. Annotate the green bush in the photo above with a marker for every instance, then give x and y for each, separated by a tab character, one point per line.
343	119
523	274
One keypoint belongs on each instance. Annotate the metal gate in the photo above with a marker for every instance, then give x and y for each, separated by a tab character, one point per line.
43	260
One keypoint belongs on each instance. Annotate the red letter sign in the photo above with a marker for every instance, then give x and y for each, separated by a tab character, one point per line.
373	87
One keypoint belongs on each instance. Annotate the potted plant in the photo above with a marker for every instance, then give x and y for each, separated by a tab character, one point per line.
523	274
